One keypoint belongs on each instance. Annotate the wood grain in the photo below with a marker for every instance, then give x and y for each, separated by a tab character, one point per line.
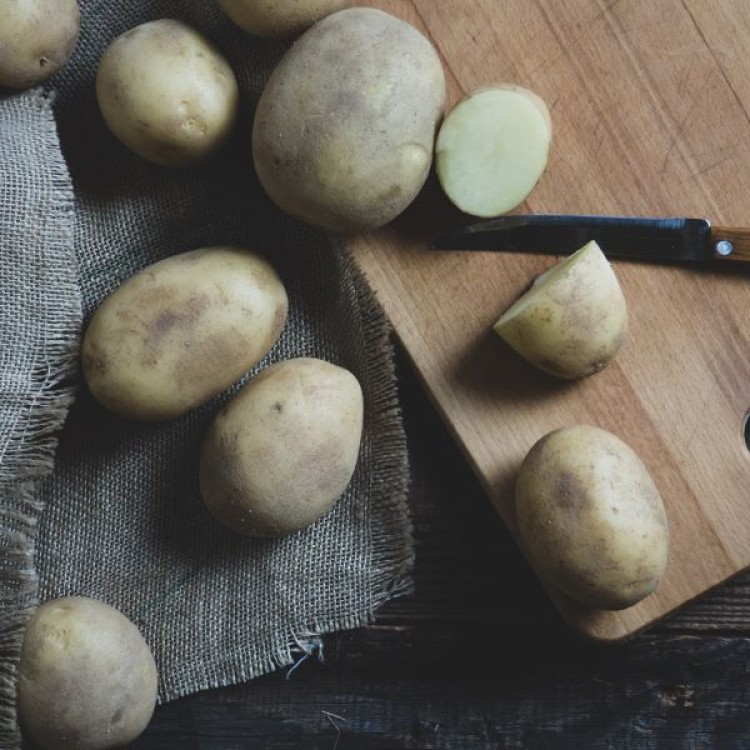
477	658
649	106
550	694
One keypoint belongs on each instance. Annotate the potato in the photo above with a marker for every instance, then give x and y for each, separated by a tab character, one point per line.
87	679
590	517
37	37
279	18
182	330
573	320
492	149
283	450
167	93
344	130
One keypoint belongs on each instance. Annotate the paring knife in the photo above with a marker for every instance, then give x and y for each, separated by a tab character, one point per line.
636	238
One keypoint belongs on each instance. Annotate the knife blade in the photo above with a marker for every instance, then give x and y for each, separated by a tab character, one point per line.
663	240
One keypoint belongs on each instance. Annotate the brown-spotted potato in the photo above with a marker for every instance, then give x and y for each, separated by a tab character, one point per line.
344	130
590	517
281	453
182	330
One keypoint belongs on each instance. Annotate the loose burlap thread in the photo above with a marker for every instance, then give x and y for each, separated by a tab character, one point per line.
40	317
120	517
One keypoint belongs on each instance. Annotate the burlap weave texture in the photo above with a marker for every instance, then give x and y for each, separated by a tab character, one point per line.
122	519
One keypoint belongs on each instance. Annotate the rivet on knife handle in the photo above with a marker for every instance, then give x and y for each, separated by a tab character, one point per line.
652	239
731	244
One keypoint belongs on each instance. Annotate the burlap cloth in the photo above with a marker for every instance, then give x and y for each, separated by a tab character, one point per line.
119	518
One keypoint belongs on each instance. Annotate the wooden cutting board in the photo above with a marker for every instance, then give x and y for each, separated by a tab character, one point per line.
650	106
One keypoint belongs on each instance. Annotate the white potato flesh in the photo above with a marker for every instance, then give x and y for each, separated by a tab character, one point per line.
573	320
492	149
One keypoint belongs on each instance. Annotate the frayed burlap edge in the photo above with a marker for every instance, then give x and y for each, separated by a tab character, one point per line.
391	564
53	383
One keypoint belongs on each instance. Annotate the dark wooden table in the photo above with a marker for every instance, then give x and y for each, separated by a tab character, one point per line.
477	657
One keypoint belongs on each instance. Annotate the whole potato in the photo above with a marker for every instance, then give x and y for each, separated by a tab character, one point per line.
167	93
573	320
37	37
279	18
87	679
283	450
345	128
182	330
590	517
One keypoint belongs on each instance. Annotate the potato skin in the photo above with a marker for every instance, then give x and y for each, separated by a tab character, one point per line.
87	679
590	517
283	450
182	330
345	128
37	37
279	18
576	326
167	93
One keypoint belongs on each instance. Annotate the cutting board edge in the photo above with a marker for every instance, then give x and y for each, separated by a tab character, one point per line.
603	635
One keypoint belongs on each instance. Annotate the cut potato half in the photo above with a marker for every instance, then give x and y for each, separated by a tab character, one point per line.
573	320
492	149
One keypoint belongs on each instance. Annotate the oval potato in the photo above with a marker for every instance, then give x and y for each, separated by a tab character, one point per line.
283	450
182	330
167	93
86	679
344	130
37	37
279	18
590	517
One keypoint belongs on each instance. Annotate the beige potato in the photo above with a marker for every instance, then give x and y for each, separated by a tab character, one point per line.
283	450
573	320
182	330
167	93
591	519
279	18
37	37
344	131
87	679
492	148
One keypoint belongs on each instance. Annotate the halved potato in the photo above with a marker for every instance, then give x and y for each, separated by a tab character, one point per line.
492	149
